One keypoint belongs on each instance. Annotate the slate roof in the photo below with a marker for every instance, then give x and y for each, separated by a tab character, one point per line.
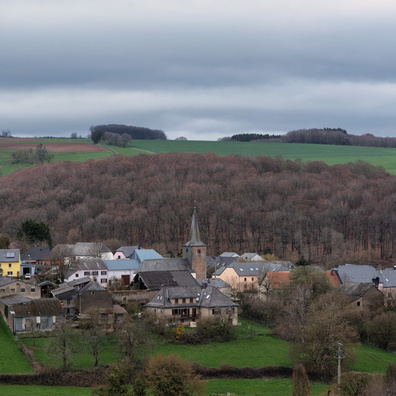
14	299
356	273
122	264
37	253
84	249
168	264
256	268
229	254
154	280
9	255
388	277
195	238
5	280
208	297
39	307
86	264
215	282
127	250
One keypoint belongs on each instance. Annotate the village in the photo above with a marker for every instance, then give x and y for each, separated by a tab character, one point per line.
88	277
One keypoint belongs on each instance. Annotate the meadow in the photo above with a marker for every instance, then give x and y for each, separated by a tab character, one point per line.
385	157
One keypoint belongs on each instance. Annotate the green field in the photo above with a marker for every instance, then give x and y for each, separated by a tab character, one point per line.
385	157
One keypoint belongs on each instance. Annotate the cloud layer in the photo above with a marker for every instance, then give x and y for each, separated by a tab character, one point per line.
199	69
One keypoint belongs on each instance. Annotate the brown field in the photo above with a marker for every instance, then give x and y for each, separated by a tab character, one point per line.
54	147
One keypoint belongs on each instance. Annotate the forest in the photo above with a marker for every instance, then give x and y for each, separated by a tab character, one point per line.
133	131
327	214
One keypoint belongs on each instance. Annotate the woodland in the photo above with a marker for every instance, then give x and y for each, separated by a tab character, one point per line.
327	214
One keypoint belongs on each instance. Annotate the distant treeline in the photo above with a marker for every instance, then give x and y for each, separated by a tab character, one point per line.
248	137
336	136
328	214
134	132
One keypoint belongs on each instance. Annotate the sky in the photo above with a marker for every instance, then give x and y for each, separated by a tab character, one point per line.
199	69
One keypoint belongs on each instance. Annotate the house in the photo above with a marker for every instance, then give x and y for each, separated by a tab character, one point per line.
92	267
10	262
145	254
122	269
247	276
37	255
10	286
363	296
356	273
188	304
23	314
124	252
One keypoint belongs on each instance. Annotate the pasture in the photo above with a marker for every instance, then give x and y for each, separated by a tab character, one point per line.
80	150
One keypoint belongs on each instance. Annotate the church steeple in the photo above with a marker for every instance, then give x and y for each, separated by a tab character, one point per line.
195	238
194	251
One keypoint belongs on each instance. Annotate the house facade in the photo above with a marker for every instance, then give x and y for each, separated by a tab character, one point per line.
10	262
188	304
91	267
10	286
121	269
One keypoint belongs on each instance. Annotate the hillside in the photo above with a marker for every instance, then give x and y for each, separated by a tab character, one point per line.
328	214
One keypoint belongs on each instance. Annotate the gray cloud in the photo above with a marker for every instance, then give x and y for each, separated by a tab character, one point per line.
199	69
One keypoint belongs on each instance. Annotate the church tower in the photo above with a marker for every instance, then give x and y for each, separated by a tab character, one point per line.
194	251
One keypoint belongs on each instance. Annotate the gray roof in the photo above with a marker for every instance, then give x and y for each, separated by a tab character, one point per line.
388	277
86	264
215	282
356	273
168	264
208	297
154	280
122	264
37	253
127	250
84	249
9	255
92	286
14	299
5	280
39	307
195	238
256	268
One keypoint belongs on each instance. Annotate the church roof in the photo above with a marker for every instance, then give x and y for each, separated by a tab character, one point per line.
195	238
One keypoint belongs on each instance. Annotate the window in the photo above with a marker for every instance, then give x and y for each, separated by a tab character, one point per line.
76	275
9	273
358	303
12	290
95	273
184	300
87	273
23	290
9	265
191	300
10	254
103	280
2	290
103	272
176	301
32	290
252	279
245	279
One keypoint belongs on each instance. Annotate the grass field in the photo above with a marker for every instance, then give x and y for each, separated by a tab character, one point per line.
385	157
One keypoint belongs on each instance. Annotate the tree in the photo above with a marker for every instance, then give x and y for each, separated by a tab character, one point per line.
324	328
382	330
32	231
301	386
94	331
97	135
42	154
62	260
117	384
63	345
172	376
134	340
353	383
4	241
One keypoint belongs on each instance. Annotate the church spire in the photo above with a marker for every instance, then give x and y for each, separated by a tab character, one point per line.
195	238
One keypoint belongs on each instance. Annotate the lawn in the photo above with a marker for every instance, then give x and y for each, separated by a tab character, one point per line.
34	390
372	360
11	358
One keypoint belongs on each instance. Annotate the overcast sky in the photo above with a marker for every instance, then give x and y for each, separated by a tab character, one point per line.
201	69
